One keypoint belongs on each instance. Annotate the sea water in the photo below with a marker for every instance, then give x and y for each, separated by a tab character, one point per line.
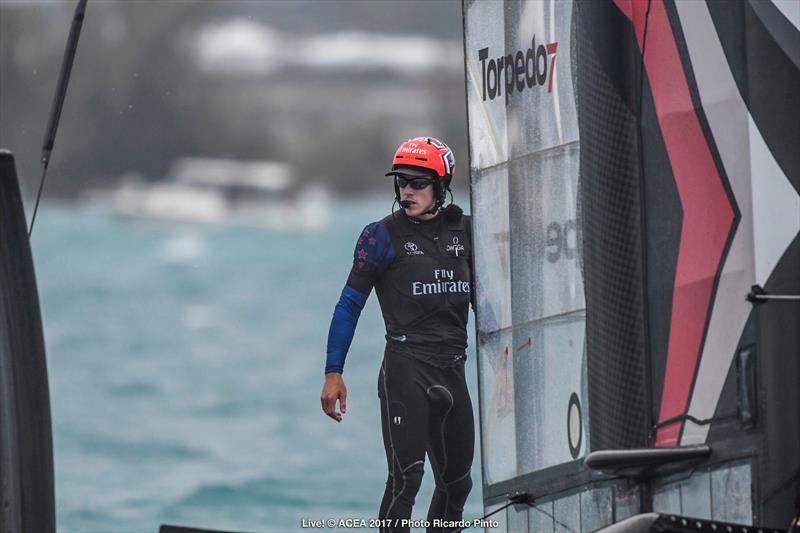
185	366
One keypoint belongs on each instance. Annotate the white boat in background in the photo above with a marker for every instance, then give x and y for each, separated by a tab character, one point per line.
224	191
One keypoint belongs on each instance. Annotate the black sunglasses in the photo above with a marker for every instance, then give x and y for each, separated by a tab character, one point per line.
416	183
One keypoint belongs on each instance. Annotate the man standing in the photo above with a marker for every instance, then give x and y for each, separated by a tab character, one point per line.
418	259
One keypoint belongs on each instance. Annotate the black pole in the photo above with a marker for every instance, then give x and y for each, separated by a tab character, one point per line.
58	99
63	81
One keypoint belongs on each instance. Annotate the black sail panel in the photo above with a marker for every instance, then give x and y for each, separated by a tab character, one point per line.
26	448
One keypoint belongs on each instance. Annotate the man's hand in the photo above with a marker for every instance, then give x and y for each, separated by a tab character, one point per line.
334	389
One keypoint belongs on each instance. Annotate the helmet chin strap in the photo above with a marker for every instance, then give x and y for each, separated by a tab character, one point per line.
433	209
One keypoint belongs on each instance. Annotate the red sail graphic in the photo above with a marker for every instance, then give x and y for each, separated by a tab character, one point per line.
707	213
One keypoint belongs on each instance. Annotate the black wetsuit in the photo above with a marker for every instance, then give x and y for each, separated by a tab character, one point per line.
422	275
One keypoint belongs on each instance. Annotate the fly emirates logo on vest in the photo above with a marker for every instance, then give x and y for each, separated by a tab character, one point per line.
443	282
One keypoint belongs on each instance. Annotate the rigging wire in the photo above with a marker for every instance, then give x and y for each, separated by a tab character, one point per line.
38	197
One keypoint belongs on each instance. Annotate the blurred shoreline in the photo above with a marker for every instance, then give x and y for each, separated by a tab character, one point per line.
330	88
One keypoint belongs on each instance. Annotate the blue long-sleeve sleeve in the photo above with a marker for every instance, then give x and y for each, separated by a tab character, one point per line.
343	327
372	255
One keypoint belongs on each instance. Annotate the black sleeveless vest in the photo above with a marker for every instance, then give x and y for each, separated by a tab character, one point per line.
425	293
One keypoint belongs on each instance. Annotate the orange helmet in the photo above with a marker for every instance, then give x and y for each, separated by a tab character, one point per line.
424	156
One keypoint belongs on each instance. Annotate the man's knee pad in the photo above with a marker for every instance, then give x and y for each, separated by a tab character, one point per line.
458	491
409	481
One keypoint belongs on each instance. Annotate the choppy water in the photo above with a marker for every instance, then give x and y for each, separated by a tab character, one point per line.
185	369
